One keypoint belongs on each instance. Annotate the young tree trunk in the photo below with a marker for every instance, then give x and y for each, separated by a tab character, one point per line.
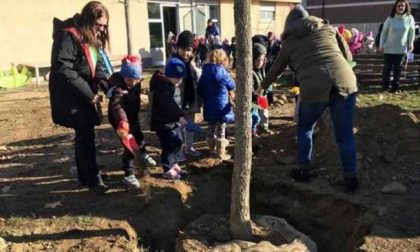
128	23
240	219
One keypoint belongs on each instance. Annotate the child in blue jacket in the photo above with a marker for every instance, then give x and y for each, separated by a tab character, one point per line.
215	87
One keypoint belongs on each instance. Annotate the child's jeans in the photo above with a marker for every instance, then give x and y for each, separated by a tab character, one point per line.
264	117
255	119
188	137
171	143
342	111
216	130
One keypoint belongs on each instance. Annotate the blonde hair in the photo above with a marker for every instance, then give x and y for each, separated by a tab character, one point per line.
218	56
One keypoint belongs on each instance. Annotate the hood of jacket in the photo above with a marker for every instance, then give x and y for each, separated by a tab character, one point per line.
299	23
158	81
216	70
59	25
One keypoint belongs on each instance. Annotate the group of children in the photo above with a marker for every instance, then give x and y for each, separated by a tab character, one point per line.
176	96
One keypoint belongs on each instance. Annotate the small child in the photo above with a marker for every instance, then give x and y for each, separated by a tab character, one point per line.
233	51
215	87
123	110
202	51
369	43
167	117
190	104
259	115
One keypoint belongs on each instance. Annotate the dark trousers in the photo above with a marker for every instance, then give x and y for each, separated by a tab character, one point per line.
87	168
392	62
171	143
128	158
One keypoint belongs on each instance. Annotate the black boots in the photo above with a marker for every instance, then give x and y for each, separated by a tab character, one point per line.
303	175
351	185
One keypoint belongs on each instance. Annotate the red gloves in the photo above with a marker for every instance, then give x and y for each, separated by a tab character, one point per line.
123	129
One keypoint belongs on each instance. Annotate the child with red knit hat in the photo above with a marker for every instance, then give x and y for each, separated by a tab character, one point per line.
123	110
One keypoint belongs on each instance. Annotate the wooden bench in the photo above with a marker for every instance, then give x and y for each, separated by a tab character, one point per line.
37	66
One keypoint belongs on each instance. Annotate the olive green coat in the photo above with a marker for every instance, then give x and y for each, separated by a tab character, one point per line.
320	58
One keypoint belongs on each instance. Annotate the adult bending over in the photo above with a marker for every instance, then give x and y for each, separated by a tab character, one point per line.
320	57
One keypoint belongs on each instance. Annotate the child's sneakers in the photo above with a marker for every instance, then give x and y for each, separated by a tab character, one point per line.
179	170
175	172
172	174
131	182
148	160
191	151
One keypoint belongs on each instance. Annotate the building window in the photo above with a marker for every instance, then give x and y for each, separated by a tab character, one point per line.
155	25
153	10
156	35
267	11
203	13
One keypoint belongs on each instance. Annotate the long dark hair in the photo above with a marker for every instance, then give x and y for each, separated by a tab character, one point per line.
90	14
407	8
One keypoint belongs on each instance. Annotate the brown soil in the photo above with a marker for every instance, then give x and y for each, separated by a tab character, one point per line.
42	206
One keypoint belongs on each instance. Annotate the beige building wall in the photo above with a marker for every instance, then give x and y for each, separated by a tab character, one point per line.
26	27
282	8
227	19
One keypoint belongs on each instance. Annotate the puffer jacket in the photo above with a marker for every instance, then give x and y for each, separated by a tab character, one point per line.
191	104
319	56
73	81
214	86
124	103
164	109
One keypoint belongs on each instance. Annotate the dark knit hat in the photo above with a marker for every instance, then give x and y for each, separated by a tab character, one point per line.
131	67
185	39
258	50
175	68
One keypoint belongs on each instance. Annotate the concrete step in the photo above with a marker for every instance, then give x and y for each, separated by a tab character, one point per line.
381	61
380	67
378	81
375	56
368	75
368	56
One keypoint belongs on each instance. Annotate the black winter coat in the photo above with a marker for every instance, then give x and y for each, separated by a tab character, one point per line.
164	108
124	103
72	82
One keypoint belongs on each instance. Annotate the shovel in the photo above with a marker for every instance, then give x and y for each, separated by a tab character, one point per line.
131	145
262	102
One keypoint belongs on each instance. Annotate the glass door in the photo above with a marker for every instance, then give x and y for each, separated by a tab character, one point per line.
157	46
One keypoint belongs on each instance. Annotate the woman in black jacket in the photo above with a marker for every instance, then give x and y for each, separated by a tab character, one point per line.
76	71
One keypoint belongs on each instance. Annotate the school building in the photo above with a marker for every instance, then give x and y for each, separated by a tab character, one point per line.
361	14
26	25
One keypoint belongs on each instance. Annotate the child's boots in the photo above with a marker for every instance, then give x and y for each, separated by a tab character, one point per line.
211	141
221	145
